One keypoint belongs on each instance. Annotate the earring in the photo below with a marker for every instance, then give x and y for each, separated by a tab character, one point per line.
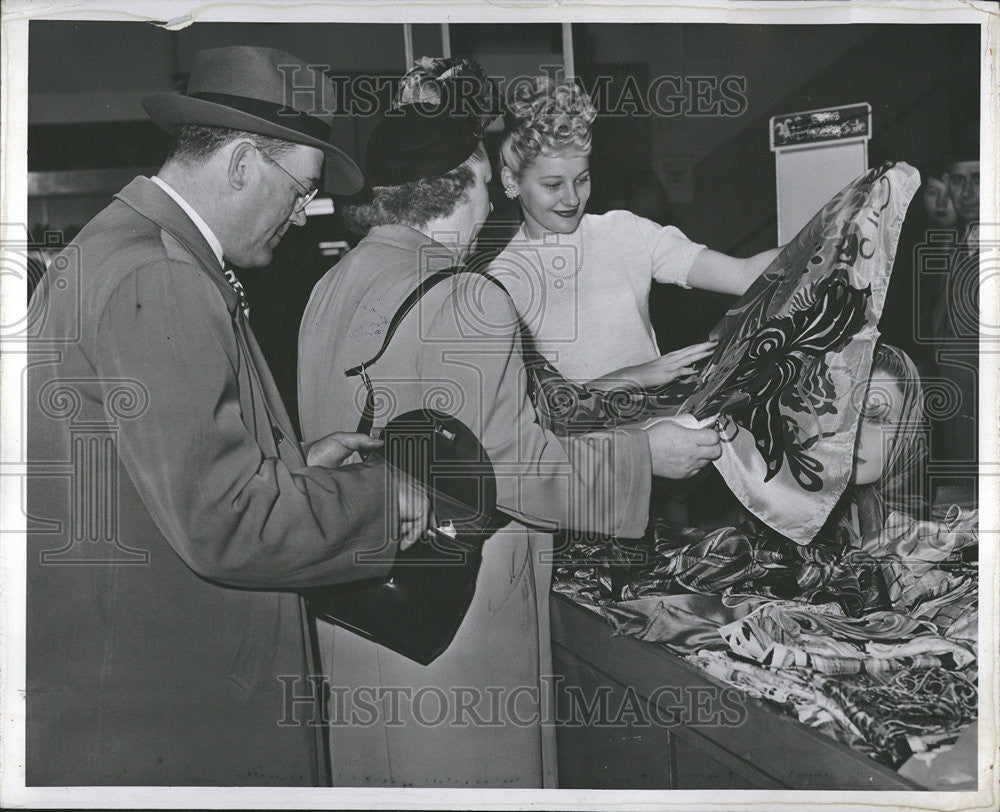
510	191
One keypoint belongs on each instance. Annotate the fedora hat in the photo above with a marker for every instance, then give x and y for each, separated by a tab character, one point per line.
262	91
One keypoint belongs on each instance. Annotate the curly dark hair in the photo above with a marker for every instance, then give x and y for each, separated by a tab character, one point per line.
416	203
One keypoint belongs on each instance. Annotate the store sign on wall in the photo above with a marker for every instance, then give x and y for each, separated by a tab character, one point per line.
841	123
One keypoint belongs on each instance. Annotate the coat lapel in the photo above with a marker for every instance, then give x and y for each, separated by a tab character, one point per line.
153	203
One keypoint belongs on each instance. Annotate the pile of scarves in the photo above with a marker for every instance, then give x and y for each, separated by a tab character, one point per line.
873	641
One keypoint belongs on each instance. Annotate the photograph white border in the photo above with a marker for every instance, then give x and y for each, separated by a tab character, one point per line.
179	13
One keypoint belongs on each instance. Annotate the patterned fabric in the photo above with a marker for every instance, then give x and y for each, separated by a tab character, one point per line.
789	376
736	562
824	573
794	355
889	716
684	623
790	688
910	552
783	637
238	288
461	82
903	713
926	569
886	683
955	610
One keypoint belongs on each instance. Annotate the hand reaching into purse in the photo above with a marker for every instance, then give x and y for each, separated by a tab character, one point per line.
412	508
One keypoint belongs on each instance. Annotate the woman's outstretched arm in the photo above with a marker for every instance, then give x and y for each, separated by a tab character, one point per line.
721	273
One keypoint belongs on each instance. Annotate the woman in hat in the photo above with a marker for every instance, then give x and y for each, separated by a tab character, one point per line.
476	716
580	281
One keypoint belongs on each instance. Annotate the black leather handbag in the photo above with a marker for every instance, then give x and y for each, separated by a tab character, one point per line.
416	610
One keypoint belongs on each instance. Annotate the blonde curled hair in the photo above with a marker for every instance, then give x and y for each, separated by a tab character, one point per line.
544	117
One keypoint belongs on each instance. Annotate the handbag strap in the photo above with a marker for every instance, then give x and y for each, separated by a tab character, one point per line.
367	421
408	304
529	353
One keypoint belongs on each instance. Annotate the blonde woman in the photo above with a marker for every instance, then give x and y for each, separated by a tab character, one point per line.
581	282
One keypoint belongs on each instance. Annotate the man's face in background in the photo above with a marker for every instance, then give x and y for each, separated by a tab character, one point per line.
963	186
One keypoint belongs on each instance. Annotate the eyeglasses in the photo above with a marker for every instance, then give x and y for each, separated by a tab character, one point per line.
302	199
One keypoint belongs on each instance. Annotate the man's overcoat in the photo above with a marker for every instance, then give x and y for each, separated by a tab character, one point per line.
171	515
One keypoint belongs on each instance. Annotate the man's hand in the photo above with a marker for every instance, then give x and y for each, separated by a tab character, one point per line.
411	508
332	450
678	452
412	514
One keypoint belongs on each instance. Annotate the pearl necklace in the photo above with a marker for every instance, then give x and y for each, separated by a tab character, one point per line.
559	262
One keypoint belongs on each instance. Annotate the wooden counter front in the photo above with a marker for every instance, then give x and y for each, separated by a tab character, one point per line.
700	734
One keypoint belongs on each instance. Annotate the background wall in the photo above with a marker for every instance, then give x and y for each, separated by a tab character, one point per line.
87	79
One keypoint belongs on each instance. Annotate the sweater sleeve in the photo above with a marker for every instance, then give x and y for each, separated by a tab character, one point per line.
598	482
670	253
232	513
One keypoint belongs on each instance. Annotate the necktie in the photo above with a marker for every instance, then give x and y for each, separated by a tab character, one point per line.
238	288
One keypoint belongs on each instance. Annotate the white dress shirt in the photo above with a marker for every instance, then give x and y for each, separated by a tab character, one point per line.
200	224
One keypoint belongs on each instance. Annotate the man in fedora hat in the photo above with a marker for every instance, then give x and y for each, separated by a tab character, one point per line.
166	643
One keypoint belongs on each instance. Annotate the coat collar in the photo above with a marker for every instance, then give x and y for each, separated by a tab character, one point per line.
431	252
197	219
149	200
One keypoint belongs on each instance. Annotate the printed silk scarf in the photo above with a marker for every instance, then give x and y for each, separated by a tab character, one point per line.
791	370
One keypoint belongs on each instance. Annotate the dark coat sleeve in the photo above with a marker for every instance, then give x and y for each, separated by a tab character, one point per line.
231	512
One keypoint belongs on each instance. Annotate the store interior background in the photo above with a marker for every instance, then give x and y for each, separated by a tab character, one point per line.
88	135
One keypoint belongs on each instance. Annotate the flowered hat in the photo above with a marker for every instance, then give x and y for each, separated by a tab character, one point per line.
460	83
